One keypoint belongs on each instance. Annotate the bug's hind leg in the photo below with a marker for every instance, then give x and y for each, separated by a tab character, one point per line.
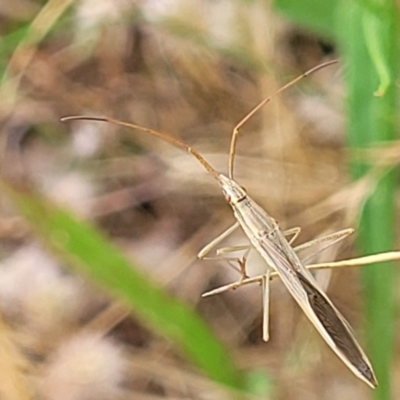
233	286
265	299
215	242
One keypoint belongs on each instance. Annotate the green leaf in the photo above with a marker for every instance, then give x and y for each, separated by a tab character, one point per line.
367	38
90	253
367	32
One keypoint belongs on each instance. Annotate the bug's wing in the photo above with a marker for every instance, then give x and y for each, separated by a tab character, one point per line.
336	331
326	318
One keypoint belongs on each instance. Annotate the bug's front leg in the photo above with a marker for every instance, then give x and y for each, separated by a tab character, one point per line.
210	246
238	263
233	286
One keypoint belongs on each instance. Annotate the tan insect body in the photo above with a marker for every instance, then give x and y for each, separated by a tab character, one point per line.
265	236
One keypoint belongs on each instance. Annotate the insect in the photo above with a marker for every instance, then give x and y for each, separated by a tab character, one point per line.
275	248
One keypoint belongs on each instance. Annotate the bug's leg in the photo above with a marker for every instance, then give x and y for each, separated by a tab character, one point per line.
245	280
359	261
354	262
265	299
233	262
226	250
294	232
239	264
240	261
242	270
210	246
233	286
330	240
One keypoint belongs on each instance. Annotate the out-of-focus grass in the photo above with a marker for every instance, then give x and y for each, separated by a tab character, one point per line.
313	14
30	37
372	68
84	248
366	33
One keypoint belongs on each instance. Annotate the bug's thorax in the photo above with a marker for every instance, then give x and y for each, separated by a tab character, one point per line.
253	219
232	191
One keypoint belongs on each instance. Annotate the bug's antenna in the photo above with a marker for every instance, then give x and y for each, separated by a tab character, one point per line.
235	132
163	136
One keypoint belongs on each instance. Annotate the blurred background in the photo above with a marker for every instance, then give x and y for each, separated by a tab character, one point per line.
119	314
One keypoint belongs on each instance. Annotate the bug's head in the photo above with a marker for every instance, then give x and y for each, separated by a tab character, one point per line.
232	191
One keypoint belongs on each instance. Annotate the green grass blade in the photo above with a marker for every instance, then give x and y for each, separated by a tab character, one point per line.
368	40
89	252
367	33
24	51
315	15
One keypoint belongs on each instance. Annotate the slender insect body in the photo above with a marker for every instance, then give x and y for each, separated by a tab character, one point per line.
270	242
251	217
266	237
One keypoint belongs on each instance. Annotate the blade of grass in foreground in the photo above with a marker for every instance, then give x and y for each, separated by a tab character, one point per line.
366	32
84	248
368	40
23	53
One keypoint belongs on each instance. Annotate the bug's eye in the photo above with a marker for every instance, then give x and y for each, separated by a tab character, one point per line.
227	198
